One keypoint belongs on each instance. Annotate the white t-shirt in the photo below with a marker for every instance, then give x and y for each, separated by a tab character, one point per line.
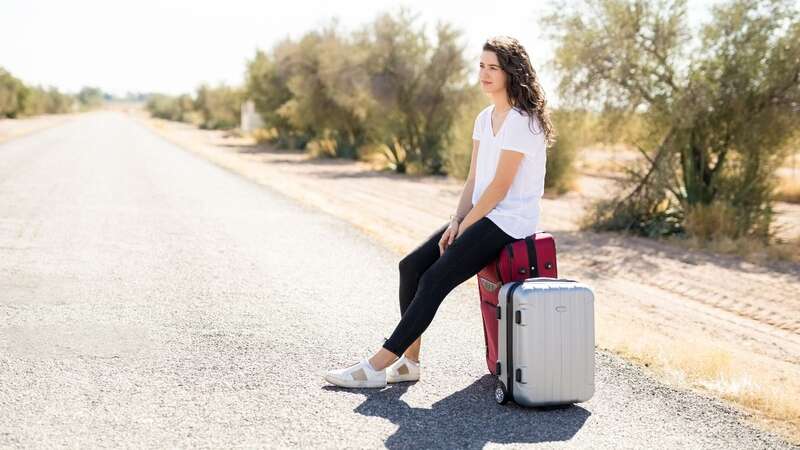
517	214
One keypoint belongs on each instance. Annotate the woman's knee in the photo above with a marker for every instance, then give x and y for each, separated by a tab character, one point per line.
432	283
409	265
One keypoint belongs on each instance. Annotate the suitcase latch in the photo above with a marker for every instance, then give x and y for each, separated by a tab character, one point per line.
518	317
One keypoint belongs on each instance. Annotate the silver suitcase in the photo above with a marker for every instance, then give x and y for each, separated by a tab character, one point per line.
545	342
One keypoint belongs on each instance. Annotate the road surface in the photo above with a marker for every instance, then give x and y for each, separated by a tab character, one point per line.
149	298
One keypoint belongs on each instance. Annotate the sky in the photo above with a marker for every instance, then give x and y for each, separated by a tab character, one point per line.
172	46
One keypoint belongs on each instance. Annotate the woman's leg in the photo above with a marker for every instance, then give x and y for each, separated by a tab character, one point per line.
412	266
464	258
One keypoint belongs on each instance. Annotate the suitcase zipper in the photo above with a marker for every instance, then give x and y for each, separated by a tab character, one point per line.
510	339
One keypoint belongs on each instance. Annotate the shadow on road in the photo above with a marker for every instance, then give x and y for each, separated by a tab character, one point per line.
469	418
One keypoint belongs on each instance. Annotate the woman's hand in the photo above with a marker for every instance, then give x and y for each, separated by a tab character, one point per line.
464	225
448	236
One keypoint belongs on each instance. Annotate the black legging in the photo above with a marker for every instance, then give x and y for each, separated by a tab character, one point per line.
426	278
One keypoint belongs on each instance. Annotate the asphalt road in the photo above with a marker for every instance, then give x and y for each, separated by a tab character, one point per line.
151	299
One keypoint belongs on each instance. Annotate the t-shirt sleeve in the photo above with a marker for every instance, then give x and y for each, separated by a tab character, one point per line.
524	137
476	129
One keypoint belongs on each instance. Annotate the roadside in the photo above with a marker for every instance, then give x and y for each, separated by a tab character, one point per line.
709	322
14	128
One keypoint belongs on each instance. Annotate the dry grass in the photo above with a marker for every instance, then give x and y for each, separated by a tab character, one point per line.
788	191
709	222
262	135
751	250
710	368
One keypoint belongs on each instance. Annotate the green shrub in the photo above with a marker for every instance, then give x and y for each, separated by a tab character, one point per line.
219	107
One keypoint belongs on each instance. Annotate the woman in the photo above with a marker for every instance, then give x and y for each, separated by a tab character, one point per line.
499	204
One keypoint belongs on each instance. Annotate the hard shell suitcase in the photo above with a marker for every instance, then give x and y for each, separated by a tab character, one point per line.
546	342
534	256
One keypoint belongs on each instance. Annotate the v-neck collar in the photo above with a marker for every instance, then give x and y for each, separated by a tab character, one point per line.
491	125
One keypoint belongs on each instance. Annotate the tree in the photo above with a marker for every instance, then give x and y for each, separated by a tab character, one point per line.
180	108
90	97
219	107
10	91
418	87
266	85
719	108
36	100
329	96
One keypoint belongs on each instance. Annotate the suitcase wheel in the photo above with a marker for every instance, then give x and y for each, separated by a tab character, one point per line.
500	393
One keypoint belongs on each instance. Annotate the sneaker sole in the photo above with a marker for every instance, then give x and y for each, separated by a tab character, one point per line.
355	383
401	379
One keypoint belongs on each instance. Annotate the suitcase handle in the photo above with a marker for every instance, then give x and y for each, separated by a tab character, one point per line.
541	279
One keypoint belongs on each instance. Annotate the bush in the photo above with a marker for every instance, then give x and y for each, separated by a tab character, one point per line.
418	86
571	133
219	107
17	99
90	97
10	92
179	109
36	100
266	85
458	154
265	135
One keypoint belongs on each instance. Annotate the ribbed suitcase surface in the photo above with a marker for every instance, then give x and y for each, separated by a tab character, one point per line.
551	324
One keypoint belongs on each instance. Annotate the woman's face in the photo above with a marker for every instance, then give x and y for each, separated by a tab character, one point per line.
491	76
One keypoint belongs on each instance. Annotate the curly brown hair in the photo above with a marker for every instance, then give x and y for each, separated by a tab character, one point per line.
522	86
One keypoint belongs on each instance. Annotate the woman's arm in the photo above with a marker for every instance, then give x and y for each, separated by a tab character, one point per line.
497	189
465	202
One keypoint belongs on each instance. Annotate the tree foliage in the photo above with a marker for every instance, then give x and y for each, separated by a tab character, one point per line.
180	108
18	99
385	86
219	107
719	104
210	108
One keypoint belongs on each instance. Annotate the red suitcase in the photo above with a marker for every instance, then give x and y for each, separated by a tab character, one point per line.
534	256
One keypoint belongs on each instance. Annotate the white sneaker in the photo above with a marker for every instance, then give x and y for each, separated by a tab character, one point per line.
402	370
359	375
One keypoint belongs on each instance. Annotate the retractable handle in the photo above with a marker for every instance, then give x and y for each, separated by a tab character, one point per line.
541	279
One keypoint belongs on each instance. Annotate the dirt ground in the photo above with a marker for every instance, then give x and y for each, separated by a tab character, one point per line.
13	128
698	320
